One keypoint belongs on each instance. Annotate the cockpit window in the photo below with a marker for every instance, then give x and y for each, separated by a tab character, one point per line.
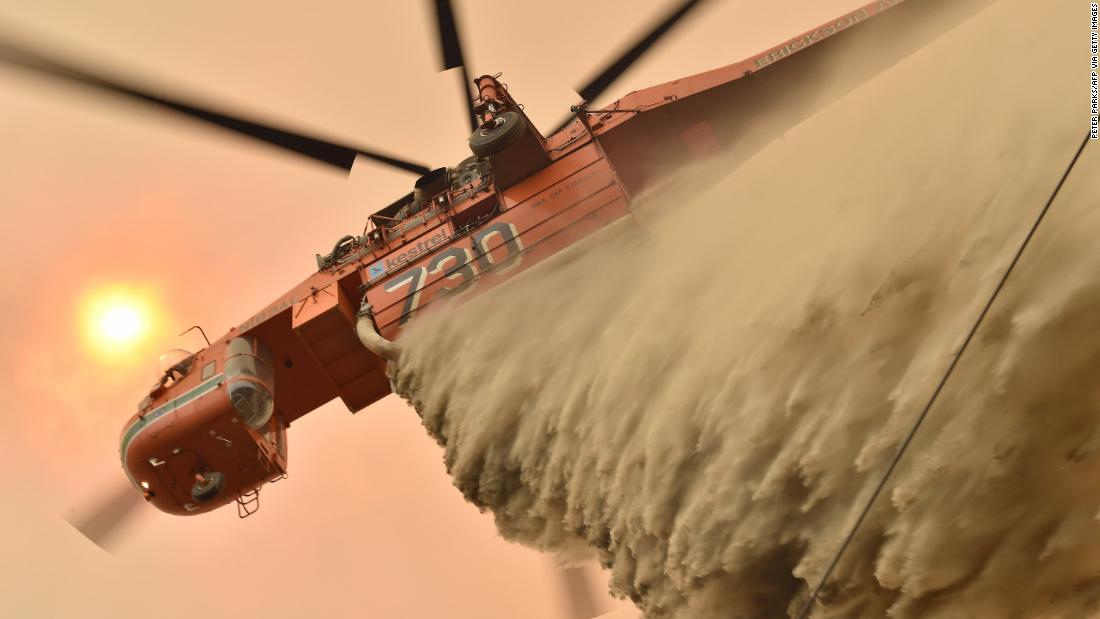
250	380
248	356
240	346
174	365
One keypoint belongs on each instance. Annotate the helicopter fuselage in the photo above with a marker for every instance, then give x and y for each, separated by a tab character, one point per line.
220	425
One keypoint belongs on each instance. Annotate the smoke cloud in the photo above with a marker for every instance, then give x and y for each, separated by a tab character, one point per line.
705	395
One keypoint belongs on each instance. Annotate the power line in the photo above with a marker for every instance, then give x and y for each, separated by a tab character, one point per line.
935	394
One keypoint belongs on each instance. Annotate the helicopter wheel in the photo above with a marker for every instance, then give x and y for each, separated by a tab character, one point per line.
209	487
465	177
467	171
504	130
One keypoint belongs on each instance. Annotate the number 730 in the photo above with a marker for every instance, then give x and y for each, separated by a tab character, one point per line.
460	266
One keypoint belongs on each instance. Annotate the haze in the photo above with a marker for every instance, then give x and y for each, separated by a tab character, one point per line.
97	194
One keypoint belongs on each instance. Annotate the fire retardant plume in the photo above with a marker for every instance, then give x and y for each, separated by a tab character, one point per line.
705	395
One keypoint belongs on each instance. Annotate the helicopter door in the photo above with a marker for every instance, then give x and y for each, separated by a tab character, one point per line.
273	447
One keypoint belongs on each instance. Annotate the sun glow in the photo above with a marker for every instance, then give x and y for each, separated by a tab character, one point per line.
117	321
121	324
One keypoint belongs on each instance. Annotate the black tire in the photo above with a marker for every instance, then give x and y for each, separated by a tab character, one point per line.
207	490
507	128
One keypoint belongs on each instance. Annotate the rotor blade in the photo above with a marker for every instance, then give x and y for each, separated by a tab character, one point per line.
103	524
580	598
339	155
599	84
451	48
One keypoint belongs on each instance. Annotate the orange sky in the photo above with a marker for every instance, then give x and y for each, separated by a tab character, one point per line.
99	193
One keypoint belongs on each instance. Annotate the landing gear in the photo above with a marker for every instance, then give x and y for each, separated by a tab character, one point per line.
503	131
465	173
207	486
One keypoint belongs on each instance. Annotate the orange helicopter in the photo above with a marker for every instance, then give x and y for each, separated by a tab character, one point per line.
212	430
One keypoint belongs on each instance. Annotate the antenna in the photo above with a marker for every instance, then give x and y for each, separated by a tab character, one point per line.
192	328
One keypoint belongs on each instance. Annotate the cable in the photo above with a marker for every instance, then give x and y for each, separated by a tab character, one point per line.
804	613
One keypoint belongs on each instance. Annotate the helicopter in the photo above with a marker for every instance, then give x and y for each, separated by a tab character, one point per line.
213	429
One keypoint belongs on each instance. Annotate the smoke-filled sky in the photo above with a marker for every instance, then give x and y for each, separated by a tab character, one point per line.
207	228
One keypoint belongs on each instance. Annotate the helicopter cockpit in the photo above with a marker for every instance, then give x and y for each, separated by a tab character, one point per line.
223	425
173	365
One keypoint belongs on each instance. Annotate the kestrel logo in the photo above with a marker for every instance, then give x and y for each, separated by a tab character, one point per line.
378	269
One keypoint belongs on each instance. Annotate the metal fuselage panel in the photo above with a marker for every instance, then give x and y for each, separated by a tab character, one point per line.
565	202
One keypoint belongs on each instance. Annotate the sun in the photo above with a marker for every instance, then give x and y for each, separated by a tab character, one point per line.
117	321
121	324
